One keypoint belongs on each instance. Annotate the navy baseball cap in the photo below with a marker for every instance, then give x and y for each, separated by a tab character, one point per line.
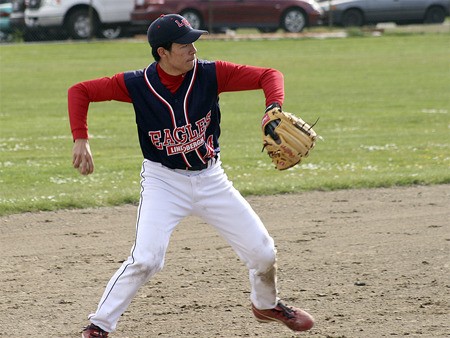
172	28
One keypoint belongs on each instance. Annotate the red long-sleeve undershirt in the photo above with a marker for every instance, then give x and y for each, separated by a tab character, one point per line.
230	77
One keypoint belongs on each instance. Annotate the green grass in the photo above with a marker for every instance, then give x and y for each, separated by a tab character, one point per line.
383	104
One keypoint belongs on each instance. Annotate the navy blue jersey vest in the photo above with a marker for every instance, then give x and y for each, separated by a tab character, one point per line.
177	130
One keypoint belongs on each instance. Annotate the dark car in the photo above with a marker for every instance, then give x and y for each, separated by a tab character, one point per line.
18	24
17	17
290	15
360	12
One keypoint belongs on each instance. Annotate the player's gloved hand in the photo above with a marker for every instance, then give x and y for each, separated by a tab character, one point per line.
286	138
82	157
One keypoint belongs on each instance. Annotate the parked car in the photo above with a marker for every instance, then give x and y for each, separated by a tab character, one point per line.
5	26
360	12
267	16
77	19
17	17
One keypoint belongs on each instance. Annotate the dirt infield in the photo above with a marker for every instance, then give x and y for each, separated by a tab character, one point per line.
365	263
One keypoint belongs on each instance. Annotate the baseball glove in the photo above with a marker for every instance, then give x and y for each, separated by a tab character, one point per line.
287	138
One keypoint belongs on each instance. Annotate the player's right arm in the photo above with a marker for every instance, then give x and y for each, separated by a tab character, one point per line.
82	156
79	96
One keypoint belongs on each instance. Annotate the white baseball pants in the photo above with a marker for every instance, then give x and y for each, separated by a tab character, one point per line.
167	196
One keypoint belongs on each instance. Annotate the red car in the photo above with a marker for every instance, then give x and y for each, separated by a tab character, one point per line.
268	16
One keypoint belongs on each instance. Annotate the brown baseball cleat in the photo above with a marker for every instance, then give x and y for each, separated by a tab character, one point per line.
93	331
293	318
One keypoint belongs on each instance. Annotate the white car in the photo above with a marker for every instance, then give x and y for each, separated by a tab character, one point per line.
80	19
361	12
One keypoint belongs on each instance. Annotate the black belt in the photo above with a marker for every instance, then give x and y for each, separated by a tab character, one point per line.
202	166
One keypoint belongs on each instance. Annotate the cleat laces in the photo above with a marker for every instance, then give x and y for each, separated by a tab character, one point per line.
286	311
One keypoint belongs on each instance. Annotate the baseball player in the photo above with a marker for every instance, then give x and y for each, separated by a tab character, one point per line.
176	103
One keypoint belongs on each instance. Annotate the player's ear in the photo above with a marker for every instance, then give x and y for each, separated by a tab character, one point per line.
161	51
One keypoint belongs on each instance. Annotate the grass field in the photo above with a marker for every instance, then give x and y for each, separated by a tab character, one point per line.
383	104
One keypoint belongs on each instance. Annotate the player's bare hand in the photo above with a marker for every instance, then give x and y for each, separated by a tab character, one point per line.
82	157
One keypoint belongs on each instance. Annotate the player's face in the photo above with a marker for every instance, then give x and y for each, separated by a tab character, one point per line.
180	59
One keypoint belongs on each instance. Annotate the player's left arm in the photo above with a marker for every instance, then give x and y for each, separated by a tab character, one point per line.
236	77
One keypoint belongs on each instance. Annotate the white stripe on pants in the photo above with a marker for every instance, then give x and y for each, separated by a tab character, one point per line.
167	196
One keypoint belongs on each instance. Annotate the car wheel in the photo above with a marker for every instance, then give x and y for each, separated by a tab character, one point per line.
79	25
193	17
293	21
5	37
434	15
352	18
110	33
